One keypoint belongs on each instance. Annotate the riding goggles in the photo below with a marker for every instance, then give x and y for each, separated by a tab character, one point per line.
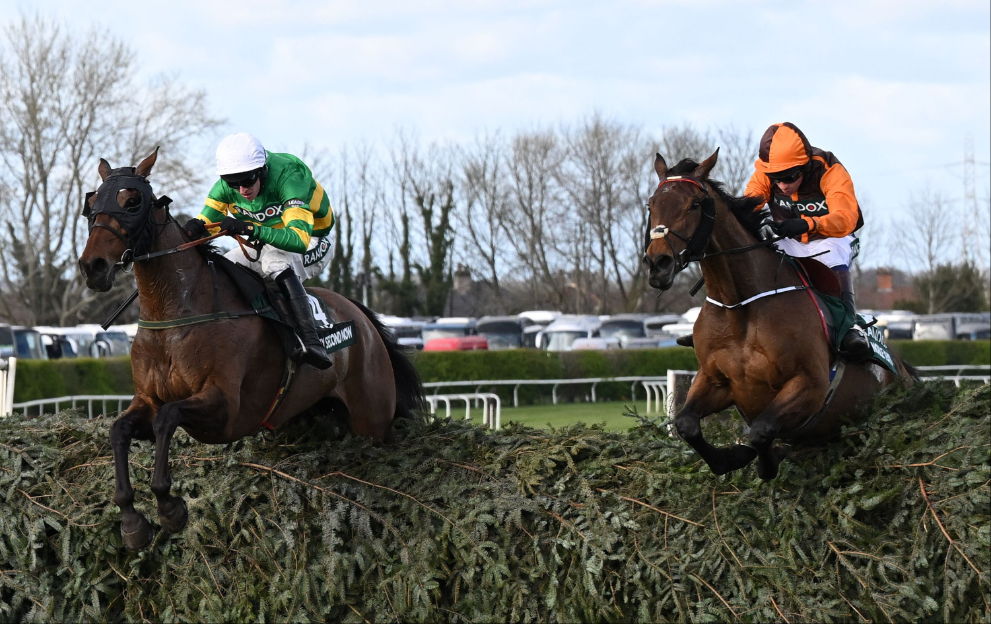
787	176
238	180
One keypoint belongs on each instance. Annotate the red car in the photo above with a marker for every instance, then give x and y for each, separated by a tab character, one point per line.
465	343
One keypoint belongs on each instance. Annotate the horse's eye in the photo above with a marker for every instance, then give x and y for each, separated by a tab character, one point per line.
132	204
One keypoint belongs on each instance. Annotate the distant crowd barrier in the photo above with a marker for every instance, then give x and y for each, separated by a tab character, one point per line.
8	368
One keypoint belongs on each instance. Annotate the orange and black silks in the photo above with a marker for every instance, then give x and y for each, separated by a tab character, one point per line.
825	198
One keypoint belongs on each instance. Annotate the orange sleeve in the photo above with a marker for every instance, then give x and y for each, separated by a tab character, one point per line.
758	186
843	208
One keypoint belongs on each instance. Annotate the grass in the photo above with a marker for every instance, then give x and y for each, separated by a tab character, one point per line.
566	414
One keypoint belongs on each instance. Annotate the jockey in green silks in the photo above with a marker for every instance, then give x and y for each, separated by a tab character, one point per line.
273	198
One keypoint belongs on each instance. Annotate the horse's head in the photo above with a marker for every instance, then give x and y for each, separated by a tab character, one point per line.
120	224
680	219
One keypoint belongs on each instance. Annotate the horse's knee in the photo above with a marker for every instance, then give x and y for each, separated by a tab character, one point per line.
762	433
688	426
121	431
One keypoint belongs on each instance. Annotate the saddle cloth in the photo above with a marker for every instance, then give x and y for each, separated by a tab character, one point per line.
836	317
269	302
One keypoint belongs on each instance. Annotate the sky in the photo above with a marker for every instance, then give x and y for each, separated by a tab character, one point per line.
895	89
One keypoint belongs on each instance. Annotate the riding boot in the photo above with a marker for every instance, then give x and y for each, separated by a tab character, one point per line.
854	346
688	340
314	352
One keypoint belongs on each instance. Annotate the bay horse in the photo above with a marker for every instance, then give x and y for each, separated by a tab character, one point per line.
770	358
216	379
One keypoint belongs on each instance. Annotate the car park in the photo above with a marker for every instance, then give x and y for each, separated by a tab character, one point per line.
595	344
623	327
657	325
953	326
408	332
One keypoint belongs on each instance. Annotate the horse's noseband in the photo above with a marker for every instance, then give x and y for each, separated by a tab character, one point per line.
696	243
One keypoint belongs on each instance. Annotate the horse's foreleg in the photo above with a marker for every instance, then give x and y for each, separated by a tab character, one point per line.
797	399
135	423
706	397
172	512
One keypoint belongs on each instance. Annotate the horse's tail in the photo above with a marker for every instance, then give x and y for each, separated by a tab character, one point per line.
910	371
409	388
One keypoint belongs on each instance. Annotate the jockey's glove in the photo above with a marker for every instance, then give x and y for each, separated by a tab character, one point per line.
195	228
233	227
765	229
791	228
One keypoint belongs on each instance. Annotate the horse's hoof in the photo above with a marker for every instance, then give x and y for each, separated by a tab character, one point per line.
173	515
767	470
735	457
136	532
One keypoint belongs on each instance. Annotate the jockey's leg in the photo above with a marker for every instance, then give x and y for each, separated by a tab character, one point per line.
854	345
314	352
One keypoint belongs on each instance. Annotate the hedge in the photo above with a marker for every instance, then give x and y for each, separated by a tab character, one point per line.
454	523
45	379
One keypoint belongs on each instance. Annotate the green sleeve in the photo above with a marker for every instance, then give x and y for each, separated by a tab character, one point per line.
217	204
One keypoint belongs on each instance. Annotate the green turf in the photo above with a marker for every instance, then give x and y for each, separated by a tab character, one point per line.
564	414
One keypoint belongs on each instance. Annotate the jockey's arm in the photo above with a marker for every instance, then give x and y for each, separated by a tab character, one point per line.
215	207
758	186
844	212
297	227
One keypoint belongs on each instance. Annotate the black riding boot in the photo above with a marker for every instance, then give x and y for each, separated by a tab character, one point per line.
314	352
855	346
688	340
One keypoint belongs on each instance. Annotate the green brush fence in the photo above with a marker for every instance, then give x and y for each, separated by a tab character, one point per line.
454	523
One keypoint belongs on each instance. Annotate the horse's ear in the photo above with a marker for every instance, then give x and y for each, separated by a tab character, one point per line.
660	166
702	171
104	169
144	167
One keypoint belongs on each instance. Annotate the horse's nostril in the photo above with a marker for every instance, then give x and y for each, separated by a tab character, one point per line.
664	263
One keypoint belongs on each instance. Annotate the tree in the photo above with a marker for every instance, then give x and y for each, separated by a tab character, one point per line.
951	288
926	240
484	214
65	101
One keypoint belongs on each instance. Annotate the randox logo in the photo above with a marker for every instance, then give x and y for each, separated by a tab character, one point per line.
269	212
317	253
813	207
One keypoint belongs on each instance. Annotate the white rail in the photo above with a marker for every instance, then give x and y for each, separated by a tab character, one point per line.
122	401
491	406
554	383
8	369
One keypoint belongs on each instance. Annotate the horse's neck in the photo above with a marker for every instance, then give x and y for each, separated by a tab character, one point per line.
175	285
731	278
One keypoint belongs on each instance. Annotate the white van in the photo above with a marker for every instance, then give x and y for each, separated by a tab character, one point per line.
562	333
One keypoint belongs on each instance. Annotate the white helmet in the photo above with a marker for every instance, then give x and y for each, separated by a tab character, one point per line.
238	153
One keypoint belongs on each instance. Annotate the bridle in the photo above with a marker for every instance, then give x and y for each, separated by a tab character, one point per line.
141	228
696	243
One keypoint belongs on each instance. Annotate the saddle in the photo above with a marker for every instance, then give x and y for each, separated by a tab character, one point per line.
835	316
267	301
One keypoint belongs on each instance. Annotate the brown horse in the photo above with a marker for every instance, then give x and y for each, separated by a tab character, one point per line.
770	358
216	379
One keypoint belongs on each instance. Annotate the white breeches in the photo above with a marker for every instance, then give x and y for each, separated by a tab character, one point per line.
273	261
838	251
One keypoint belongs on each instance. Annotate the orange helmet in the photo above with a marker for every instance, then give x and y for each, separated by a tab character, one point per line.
782	147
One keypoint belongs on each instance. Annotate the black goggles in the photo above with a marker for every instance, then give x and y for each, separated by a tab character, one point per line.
238	180
787	176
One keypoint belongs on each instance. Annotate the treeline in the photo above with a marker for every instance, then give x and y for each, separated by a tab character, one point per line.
551	217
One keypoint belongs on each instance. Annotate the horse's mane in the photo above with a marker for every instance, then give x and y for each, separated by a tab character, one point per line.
741	207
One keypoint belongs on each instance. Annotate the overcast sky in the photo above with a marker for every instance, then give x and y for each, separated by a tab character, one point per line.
892	88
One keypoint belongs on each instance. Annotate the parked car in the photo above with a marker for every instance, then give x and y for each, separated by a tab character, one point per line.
7	348
534	322
459	343
952	326
27	344
897	324
562	333
595	344
448	327
502	332
623	327
406	330
657	325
